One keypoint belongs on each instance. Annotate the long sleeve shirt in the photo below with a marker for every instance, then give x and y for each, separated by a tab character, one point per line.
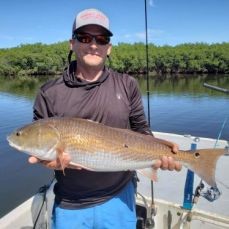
114	100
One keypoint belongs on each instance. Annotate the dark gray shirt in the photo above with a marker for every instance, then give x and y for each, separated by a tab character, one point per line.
114	100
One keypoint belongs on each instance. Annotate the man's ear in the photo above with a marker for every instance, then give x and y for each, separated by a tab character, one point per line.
71	42
109	50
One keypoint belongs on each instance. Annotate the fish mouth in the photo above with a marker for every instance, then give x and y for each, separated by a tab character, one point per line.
8	139
12	144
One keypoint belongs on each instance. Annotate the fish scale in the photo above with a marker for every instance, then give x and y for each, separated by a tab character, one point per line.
98	147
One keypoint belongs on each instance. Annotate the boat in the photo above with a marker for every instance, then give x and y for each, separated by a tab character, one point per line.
157	213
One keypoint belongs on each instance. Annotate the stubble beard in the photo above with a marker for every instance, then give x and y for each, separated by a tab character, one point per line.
93	61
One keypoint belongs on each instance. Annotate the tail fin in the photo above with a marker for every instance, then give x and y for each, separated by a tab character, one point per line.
205	164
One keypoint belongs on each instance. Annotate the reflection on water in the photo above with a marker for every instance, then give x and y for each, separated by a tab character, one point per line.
177	105
184	106
22	86
186	85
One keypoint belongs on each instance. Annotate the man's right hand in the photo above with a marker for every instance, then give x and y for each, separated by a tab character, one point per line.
55	164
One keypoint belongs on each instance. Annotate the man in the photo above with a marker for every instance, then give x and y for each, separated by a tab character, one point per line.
88	89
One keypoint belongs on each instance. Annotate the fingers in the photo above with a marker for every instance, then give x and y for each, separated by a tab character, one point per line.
157	164
167	163
74	167
178	166
33	160
55	164
172	145
52	164
175	148
60	166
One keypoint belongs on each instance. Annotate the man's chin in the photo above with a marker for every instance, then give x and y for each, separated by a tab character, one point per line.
93	60
94	63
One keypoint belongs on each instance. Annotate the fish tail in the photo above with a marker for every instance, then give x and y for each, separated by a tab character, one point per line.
205	164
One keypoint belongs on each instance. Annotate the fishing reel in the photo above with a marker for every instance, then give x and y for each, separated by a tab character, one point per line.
211	194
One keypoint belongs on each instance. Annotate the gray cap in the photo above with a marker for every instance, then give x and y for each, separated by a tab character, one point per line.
91	17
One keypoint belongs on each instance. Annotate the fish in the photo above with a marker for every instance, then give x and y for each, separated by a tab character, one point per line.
98	147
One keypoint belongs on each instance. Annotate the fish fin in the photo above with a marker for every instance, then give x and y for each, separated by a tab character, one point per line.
151	173
204	163
81	166
61	159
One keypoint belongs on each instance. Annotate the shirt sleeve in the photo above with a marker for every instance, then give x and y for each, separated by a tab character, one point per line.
42	107
137	117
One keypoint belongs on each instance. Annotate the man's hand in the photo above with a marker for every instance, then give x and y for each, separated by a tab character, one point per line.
55	164
168	163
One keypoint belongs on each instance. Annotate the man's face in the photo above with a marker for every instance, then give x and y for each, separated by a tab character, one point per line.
91	54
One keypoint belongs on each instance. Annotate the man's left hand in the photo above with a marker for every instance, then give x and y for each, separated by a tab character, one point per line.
167	163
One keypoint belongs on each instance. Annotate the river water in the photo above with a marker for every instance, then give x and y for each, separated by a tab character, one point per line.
181	106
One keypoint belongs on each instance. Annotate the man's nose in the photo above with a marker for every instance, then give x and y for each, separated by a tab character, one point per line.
93	43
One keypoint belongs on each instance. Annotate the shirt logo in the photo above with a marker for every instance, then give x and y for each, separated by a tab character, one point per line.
118	95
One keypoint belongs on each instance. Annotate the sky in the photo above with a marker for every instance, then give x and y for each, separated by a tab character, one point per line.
170	22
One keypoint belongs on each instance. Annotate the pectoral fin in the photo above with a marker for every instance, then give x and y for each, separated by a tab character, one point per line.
62	158
150	173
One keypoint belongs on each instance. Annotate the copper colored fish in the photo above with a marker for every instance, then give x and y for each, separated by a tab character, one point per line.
98	147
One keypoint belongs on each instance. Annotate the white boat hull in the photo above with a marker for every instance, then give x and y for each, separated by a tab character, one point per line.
168	215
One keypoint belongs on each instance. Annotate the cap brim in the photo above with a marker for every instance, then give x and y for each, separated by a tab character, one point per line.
106	31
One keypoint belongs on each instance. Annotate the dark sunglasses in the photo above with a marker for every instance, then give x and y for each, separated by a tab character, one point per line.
87	38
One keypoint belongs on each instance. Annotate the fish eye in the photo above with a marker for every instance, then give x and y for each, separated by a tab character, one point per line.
18	133
197	154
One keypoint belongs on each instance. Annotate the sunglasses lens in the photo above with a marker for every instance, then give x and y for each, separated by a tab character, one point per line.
102	39
87	38
84	38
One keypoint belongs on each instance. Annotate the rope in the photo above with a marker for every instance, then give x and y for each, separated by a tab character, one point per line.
221	130
43	190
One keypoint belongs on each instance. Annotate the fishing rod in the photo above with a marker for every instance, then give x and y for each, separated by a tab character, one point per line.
147	62
149	221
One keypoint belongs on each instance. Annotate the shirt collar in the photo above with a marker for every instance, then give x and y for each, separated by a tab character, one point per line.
72	81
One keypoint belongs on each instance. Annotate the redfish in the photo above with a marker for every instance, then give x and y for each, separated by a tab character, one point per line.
98	147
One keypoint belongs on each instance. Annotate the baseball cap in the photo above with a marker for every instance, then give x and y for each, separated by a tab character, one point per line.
91	17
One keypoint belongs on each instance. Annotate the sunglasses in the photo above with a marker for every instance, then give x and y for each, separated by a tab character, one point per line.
87	38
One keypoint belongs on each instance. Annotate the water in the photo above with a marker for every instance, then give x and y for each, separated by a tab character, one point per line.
184	106
18	179
181	106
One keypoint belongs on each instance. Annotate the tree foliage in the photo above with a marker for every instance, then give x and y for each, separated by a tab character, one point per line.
33	59
37	59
